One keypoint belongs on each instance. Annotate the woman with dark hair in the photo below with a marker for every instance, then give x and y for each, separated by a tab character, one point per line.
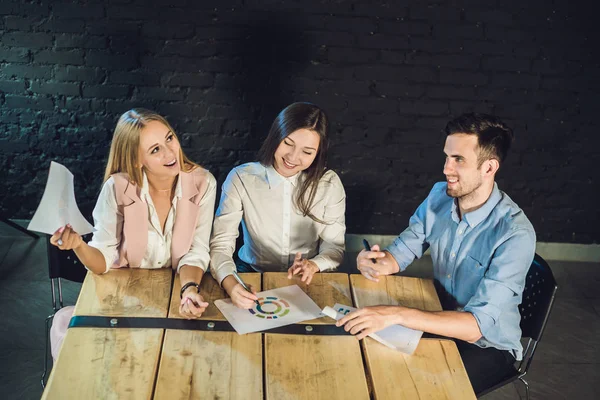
290	206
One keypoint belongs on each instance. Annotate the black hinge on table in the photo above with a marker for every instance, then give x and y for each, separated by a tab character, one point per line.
92	321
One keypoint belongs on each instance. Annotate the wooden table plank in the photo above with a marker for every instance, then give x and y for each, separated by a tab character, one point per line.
212	365
435	370
210	291
326	289
105	363
314	367
131	292
395	290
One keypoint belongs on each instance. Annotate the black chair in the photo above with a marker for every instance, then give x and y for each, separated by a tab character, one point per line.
538	298
62	264
18	227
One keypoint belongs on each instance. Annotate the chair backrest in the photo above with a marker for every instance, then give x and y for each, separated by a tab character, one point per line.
538	297
64	263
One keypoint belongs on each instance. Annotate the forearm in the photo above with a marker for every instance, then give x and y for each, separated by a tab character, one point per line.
91	257
228	283
221	266
329	258
391	262
455	324
190	273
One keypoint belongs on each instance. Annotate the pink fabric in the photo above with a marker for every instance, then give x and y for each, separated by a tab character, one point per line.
60	323
134	237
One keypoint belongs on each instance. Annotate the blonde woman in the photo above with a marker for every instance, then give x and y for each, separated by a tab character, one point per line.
155	210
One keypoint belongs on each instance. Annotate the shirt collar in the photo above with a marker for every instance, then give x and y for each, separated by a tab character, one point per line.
474	218
274	178
145	187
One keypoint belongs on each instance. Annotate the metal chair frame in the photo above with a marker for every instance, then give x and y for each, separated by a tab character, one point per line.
57	294
533	342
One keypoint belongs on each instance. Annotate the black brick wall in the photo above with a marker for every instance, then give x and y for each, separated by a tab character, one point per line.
390	74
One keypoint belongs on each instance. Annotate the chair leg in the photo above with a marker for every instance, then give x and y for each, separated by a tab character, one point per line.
46	350
526	387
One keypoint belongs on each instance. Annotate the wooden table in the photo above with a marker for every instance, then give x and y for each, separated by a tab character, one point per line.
122	363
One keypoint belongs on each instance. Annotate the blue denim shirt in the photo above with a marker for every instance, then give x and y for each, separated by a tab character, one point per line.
479	263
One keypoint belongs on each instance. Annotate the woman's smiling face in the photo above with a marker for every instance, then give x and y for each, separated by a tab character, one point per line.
159	150
296	152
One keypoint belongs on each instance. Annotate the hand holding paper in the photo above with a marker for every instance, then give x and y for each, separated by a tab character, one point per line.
66	238
396	337
58	207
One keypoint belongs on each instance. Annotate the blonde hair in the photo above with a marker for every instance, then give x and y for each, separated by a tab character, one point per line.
125	146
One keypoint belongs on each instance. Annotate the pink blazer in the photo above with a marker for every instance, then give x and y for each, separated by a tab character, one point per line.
134	233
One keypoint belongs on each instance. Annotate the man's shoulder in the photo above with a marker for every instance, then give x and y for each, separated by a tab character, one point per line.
438	196
511	218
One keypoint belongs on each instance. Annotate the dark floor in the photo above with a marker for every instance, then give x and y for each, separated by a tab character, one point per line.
566	365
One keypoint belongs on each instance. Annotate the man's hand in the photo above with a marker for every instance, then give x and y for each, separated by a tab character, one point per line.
365	321
304	267
385	265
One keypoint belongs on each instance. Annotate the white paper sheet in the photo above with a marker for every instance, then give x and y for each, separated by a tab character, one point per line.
396	337
278	307
58	206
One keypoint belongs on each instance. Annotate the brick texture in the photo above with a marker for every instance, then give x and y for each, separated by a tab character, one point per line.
389	74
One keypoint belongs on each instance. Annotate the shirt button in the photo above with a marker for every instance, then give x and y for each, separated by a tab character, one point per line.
452	255
449	276
460	232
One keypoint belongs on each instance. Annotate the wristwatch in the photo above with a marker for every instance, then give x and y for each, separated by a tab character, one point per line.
187	285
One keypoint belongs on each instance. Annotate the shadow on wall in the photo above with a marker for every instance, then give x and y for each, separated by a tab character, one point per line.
273	49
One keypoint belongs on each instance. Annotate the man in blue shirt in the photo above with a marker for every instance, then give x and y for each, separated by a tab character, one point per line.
482	246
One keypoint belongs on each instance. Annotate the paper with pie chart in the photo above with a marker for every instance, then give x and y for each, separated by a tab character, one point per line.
277	307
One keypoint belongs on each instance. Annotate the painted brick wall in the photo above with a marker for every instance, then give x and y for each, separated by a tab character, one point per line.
389	74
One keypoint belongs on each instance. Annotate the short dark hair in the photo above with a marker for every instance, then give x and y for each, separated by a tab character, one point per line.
292	118
494	136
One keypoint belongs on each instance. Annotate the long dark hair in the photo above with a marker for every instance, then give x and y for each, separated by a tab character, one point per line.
290	119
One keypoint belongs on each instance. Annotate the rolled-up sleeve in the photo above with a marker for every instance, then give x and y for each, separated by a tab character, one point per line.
412	242
108	223
199	253
501	288
332	237
226	227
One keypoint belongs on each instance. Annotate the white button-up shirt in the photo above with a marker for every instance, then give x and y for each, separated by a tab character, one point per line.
274	229
108	222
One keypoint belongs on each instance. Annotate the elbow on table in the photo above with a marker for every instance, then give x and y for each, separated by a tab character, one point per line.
474	333
474	337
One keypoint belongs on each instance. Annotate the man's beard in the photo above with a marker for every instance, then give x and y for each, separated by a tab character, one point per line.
462	193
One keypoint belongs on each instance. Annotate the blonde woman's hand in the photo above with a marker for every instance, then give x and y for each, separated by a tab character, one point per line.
66	238
192	304
301	266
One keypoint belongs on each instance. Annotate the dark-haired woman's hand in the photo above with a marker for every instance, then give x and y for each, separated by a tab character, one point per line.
303	267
